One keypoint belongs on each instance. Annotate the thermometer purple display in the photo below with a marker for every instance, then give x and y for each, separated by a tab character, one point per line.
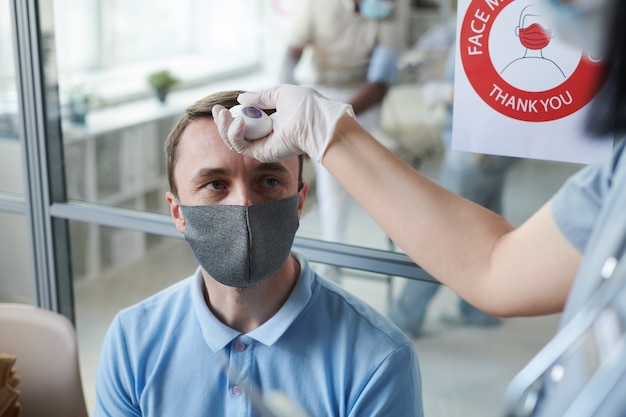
258	123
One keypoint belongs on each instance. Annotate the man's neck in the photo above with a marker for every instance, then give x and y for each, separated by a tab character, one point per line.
245	309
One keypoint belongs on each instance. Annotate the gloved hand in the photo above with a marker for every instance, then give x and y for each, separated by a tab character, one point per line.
304	122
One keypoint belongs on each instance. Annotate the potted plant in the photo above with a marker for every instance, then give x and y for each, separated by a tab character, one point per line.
162	81
80	99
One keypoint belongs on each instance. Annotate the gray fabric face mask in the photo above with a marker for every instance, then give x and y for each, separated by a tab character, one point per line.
242	245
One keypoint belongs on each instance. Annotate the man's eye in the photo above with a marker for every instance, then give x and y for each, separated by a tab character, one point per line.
215	185
271	182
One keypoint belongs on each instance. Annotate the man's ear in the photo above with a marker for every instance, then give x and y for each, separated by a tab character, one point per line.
304	191
175	212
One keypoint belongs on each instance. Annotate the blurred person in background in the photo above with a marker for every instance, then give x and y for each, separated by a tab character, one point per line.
355	47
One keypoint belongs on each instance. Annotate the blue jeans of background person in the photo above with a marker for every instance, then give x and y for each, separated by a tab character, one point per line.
479	178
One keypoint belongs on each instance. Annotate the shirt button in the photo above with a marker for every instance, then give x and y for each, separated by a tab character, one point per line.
608	268
240	346
236	390
557	373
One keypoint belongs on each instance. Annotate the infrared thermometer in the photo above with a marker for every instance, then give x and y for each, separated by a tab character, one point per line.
258	123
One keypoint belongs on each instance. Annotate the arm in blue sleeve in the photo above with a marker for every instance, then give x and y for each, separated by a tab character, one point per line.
383	65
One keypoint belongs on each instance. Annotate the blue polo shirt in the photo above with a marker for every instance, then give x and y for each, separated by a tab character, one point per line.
325	349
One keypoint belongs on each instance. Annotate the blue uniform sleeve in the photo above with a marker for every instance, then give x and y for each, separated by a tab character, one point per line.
383	65
576	205
394	389
114	381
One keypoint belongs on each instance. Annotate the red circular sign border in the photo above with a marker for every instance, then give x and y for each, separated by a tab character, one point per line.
482	75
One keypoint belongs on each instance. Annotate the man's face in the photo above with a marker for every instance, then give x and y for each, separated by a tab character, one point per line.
208	173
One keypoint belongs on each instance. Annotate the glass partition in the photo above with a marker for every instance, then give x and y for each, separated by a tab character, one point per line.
17	281
16	277
11	172
113	128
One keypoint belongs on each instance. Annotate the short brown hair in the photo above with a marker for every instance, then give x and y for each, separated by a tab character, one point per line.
202	108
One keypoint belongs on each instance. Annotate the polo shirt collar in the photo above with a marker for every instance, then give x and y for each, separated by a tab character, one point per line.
217	335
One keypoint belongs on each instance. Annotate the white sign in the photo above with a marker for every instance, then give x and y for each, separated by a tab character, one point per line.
519	89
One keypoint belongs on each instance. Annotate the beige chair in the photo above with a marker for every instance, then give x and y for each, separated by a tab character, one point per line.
46	348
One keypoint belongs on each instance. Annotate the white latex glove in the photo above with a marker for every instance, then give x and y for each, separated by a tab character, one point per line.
304	122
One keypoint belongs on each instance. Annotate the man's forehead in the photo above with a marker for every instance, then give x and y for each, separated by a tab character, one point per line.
204	127
200	136
203	132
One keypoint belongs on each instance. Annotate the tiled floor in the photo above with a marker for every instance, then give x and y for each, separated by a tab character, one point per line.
464	370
